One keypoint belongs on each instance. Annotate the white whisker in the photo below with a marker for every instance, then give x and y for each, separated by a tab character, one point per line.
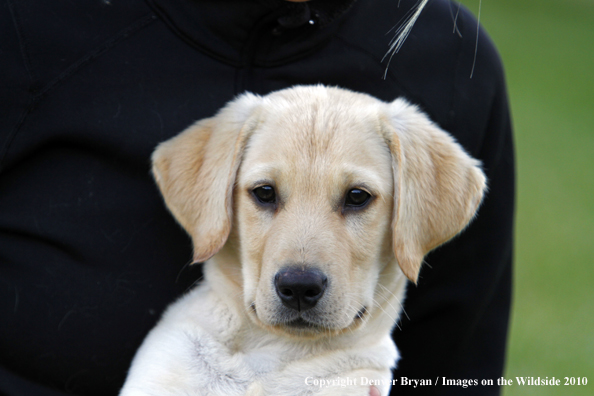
397	299
387	313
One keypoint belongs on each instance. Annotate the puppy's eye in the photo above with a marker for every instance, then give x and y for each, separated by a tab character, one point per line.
356	198
265	194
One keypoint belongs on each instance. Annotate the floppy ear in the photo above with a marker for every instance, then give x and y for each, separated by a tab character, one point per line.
196	170
438	186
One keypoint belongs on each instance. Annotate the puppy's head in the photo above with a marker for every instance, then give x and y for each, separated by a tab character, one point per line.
330	196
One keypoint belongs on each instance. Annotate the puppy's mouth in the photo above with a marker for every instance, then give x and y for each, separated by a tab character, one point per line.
298	323
360	314
303	324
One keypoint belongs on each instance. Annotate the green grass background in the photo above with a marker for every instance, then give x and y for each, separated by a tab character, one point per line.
547	48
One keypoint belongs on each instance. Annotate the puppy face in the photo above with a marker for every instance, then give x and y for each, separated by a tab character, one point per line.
329	197
313	203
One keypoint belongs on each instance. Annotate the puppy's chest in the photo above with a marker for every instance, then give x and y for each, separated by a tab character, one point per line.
264	353
263	361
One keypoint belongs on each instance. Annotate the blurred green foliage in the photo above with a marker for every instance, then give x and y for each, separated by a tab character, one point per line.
547	47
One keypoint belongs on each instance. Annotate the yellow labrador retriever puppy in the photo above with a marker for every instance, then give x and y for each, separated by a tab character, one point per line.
311	207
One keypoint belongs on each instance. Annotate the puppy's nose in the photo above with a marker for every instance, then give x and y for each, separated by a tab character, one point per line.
300	289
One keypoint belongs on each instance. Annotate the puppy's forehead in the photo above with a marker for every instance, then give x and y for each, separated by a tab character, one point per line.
315	142
316	133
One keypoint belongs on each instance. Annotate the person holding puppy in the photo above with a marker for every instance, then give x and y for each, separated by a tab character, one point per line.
90	257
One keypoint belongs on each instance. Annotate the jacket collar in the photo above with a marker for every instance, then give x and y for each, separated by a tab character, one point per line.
253	32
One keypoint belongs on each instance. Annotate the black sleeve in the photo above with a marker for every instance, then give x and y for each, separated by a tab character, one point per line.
454	328
15	96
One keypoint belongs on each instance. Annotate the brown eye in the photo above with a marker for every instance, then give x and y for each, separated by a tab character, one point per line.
356	198
265	194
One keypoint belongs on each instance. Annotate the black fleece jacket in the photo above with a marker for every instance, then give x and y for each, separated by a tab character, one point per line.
89	256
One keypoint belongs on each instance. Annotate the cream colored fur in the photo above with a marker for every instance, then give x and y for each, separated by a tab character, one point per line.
230	336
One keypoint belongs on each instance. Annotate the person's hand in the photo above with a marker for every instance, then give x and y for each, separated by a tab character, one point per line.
373	391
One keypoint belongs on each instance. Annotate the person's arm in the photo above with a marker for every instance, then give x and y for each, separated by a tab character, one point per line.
456	321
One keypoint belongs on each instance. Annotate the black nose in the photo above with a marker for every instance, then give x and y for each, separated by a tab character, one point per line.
299	288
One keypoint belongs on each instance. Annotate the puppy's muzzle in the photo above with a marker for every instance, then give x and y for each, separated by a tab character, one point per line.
300	288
